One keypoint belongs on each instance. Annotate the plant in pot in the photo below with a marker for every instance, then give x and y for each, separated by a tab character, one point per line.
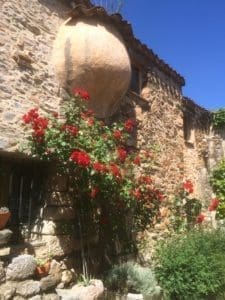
43	267
4	216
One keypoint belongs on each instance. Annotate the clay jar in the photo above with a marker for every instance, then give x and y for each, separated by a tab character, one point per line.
4	217
43	269
91	55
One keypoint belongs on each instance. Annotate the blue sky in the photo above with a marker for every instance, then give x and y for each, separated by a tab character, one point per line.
190	36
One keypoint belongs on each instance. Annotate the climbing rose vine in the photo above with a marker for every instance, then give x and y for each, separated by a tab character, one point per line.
101	165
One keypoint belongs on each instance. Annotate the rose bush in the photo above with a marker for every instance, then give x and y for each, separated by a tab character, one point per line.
186	210
101	165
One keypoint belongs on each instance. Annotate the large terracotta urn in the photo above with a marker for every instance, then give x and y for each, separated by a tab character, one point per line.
91	55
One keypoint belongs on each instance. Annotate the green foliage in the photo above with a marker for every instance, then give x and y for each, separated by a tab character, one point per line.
219	118
184	213
84	280
184	209
217	181
41	261
192	266
130	277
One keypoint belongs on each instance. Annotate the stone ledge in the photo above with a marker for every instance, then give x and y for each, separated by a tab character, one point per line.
55	245
20	248
59	246
5	251
53	228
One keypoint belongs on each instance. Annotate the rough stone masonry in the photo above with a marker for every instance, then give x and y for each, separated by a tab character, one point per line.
27	31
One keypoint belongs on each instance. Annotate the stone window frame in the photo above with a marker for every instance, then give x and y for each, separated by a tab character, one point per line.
189	130
136	66
21	190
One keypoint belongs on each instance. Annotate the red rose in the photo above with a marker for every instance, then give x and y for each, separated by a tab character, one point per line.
129	125
159	195
40	123
86	114
81	158
97	166
213	204
115	171
136	193
30	116
200	218
95	190
188	186
26	119
82	93
145	179
70	129
91	121
39	132
137	161
122	154
117	134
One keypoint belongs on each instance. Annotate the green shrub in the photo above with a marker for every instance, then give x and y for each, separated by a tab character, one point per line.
130	277
219	118
192	266
217	181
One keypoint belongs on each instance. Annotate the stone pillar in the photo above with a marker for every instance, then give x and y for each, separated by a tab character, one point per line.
54	229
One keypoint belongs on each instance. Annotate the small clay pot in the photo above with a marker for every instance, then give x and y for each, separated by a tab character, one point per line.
43	270
4	217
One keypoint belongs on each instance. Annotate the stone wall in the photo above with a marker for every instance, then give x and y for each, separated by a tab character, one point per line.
176	131
162	125
204	148
27	34
27	30
197	122
23	278
160	129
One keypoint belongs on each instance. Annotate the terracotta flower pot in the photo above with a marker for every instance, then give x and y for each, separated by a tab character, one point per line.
4	217
43	270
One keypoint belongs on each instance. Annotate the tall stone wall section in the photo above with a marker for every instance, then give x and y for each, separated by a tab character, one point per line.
161	126
27	30
197	123
216	147
159	130
204	148
215	153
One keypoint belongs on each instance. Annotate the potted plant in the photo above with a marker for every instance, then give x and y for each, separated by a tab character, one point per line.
43	267
4	216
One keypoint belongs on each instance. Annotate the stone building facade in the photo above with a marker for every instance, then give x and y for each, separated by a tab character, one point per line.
187	146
